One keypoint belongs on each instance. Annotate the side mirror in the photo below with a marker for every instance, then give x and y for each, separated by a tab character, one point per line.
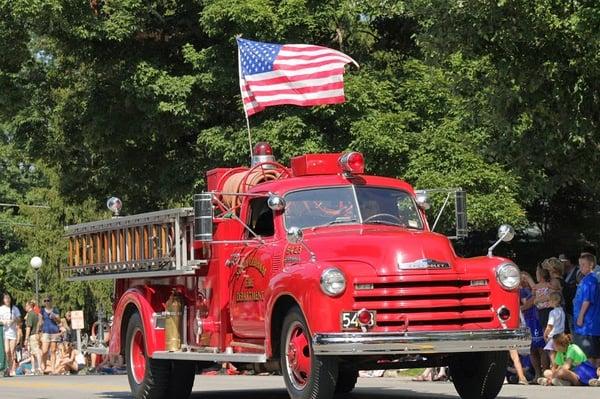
460	212
276	203
422	199
295	235
506	232
460	207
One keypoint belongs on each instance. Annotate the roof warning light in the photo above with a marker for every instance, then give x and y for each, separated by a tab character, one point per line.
352	163
262	152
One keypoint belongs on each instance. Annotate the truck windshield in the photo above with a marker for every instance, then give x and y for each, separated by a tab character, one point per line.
351	204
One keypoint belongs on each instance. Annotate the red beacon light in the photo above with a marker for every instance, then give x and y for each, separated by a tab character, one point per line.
352	163
262	152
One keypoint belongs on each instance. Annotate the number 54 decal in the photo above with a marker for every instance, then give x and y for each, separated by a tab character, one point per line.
350	320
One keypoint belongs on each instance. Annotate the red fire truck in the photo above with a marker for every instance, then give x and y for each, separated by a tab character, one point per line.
315	271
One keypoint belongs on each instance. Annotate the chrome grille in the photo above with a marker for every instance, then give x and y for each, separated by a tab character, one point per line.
425	302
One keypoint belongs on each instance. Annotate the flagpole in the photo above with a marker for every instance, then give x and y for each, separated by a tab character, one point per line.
249	136
241	78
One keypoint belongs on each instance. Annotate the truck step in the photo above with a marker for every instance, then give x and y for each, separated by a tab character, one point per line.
216	357
99	350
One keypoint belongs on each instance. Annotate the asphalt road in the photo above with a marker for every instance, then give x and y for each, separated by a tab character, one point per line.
242	387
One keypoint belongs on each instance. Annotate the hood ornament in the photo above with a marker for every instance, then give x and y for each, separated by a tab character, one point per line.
423	264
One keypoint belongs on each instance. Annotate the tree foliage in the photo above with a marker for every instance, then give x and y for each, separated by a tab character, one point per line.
139	98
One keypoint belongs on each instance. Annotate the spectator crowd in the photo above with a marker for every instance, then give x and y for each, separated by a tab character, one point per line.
39	341
561	308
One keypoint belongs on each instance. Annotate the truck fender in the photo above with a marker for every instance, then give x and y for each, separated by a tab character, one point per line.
135	299
285	290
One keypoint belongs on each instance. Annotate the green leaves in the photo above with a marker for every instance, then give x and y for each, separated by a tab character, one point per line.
140	98
227	18
170	94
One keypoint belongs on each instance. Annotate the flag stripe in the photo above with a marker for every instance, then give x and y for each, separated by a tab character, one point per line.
298	97
301	91
284	85
287	52
305	47
302	56
309	60
291	74
306	103
303	67
281	77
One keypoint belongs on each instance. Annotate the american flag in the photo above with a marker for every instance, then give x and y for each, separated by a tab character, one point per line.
297	74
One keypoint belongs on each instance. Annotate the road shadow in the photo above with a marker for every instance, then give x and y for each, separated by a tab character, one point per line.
358	393
114	395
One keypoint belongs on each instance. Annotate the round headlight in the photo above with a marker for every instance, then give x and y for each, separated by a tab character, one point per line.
509	276
333	282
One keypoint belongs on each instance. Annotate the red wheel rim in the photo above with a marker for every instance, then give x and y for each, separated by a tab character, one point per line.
298	356
137	357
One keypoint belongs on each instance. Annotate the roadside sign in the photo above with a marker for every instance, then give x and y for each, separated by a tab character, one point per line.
77	320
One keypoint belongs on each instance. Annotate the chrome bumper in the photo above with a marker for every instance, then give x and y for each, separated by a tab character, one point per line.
420	342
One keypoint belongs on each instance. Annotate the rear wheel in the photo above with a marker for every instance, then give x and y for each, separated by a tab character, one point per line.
347	377
478	375
148	378
306	376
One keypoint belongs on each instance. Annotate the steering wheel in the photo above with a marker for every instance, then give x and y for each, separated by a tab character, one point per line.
388	215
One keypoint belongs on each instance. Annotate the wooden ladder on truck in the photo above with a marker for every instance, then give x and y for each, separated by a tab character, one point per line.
154	244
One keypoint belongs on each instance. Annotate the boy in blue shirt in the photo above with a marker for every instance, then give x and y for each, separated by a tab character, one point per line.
586	310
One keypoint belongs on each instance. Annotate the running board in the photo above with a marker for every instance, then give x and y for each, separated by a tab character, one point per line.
212	357
98	350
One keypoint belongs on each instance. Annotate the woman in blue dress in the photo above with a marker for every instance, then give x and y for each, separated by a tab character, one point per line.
539	359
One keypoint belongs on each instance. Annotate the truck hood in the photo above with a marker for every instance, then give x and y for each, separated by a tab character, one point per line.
389	250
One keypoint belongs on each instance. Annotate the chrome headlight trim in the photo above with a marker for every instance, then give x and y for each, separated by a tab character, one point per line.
333	281
508	276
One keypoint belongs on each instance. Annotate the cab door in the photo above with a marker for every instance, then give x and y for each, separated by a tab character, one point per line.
251	264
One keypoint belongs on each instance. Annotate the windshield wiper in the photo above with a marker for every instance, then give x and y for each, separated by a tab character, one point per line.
387	222
335	221
341	220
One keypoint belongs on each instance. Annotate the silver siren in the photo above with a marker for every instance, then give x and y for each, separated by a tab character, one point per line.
114	204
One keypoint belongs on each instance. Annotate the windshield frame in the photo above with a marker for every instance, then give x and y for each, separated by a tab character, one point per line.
356	204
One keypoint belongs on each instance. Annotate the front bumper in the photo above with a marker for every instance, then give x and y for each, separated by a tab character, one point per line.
339	344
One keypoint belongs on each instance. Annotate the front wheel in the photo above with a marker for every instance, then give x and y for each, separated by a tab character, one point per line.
148	378
306	376
347	377
478	375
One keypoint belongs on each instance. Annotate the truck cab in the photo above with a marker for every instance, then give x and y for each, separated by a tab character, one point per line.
316	270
